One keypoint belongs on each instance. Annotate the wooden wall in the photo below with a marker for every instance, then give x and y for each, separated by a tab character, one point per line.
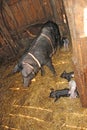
17	16
77	18
21	13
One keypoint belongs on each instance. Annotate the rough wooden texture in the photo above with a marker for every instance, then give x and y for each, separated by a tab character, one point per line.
27	12
7	39
18	16
75	14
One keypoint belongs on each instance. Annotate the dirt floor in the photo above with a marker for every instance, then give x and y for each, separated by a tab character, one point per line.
31	108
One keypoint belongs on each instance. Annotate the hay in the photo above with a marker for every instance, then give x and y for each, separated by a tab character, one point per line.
32	109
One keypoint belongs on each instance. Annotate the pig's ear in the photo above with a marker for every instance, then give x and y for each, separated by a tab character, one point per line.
17	68
64	71
26	70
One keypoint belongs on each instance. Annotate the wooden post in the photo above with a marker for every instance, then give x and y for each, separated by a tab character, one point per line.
77	18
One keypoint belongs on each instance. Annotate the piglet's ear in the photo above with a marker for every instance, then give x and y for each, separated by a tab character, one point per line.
26	70
64	71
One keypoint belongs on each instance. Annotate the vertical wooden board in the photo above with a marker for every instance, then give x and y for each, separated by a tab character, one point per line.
58	4
18	15
69	6
2	42
8	15
76	10
14	11
70	16
11	2
84	51
48	8
22	11
7	36
25	12
26	8
85	76
62	19
79	44
8	20
32	11
38	10
79	24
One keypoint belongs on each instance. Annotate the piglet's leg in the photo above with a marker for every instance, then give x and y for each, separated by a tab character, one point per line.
56	98
51	67
73	95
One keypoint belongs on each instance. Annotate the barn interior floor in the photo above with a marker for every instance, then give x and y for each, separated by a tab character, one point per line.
31	108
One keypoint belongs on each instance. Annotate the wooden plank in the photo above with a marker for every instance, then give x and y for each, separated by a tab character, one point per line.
23	11
48	8
2	42
79	42
7	37
44	11
9	14
12	2
8	20
18	15
38	10
53	5
26	7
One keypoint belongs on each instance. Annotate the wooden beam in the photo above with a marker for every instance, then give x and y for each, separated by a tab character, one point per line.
76	19
9	12
54	9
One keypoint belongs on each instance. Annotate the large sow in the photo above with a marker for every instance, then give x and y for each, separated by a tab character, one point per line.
40	53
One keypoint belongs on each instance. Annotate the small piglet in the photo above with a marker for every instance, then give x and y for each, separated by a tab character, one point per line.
67	76
73	89
72	84
65	42
59	93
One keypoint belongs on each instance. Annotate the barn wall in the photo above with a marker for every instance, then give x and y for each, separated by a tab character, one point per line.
21	13
17	17
77	18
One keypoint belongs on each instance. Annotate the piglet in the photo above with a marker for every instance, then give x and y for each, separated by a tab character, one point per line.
59	93
65	43
73	89
68	75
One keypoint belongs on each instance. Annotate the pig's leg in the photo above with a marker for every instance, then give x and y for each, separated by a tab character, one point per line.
26	81
72	93
57	97
42	71
51	67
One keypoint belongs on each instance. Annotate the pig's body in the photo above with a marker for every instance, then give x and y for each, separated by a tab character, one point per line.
40	53
59	93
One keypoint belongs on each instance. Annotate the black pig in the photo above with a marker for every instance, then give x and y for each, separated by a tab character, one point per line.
40	53
67	76
59	93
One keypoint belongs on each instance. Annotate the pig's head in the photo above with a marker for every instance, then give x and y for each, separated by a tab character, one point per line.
66	75
52	94
28	74
55	32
